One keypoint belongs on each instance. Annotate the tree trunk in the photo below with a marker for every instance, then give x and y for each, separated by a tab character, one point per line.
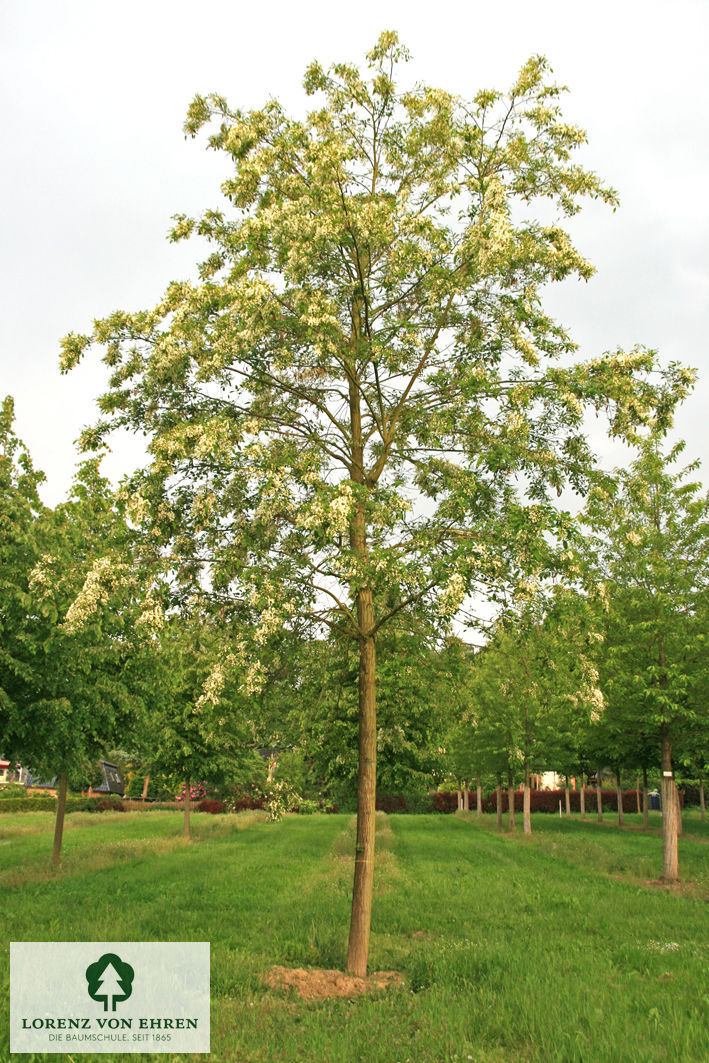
59	821
567	795
358	948
145	787
510	803
646	802
188	805
619	795
637	794
670	860
460	798
680	825
599	797
583	797
702	802
498	802
466	797
479	798
527	818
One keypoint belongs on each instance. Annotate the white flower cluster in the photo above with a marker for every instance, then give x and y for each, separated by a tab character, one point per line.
333	515
597	703
211	688
151	617
255	678
41	580
452	596
202	507
102	577
137	508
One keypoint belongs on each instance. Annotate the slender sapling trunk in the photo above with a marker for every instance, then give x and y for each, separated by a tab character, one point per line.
702	802
498	802
358	947
670	859
646	801
59	821
619	795
583	797
510	802
599	797
527	818
466	797
479	797
567	796
188	806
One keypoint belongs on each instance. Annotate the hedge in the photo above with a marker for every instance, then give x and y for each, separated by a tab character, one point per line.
73	804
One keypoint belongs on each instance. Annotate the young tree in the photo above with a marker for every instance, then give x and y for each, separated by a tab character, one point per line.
196	729
651	528
68	683
367	332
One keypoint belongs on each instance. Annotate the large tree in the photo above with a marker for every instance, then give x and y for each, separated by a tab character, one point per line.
364	371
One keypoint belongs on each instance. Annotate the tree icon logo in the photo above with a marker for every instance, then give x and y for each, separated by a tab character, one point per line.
110	980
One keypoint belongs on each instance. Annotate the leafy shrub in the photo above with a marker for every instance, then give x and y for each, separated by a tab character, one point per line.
106	804
245	798
280	798
306	807
12	790
414	802
211	805
198	791
73	804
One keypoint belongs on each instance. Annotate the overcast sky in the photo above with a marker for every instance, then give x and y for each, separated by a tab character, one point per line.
95	163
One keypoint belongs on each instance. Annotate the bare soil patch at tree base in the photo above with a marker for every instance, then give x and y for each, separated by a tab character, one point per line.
318	984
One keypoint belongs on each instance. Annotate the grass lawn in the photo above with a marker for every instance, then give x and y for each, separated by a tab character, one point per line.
559	947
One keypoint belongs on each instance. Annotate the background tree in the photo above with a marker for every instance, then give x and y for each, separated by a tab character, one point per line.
196	728
70	685
366	333
650	526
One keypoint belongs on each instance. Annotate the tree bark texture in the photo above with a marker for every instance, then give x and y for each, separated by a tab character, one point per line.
619	796
498	803
702	802
599	797
567	796
59	821
670	808
527	817
479	798
358	948
646	801
510	803
637	794
466	797
582	797
188	806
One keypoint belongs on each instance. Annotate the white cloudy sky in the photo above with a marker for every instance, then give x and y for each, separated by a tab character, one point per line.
94	162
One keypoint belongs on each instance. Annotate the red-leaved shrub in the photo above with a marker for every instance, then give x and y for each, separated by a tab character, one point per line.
210	804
